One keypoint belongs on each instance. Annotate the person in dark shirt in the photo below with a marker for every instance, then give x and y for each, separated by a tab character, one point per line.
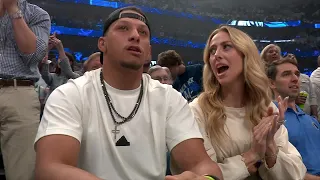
187	79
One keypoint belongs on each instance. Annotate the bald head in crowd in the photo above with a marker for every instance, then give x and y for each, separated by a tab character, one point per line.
92	63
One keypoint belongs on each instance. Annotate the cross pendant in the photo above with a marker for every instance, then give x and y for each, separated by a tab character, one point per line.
115	131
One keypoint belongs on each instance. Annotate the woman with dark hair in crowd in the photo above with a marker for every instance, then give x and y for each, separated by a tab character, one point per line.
243	130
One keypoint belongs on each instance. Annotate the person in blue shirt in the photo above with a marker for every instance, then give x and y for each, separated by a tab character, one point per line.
186	79
303	129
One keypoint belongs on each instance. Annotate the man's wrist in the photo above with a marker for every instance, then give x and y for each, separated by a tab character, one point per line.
60	49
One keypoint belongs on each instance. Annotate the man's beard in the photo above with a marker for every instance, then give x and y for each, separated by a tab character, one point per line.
292	96
131	66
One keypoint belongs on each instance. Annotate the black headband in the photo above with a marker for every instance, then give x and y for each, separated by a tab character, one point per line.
124	15
115	15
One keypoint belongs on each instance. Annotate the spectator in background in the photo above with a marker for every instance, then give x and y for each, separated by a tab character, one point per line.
52	62
161	74
309	103
92	63
42	89
315	80
240	124
186	79
64	66
24	33
270	53
303	130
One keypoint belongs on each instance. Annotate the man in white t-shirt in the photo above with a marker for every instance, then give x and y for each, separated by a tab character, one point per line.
315	80
115	123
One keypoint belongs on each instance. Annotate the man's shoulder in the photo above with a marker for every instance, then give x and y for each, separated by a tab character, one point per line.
86	78
315	76
304	76
194	68
155	85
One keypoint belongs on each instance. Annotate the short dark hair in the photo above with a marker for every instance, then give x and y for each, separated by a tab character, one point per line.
169	58
115	16
272	67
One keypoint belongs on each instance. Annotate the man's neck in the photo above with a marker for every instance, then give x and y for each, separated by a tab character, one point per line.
291	101
122	78
292	104
182	69
233	95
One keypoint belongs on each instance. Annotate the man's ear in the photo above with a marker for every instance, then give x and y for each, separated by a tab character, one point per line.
272	84
102	45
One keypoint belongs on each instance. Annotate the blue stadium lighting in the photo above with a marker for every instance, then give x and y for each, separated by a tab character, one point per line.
264	24
104	3
154	40
96	34
78	55
161	40
246	23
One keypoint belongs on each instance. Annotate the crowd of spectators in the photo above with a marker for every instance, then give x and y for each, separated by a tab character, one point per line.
306	11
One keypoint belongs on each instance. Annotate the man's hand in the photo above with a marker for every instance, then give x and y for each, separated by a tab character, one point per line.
50	44
45	60
11	6
301	100
56	43
186	176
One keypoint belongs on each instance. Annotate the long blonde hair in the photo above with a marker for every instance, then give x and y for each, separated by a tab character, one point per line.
256	86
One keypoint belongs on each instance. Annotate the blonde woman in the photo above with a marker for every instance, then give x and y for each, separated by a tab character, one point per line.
271	53
242	128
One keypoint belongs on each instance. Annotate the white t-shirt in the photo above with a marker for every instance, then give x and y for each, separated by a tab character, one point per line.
79	109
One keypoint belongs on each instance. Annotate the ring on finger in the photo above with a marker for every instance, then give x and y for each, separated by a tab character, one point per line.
281	121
